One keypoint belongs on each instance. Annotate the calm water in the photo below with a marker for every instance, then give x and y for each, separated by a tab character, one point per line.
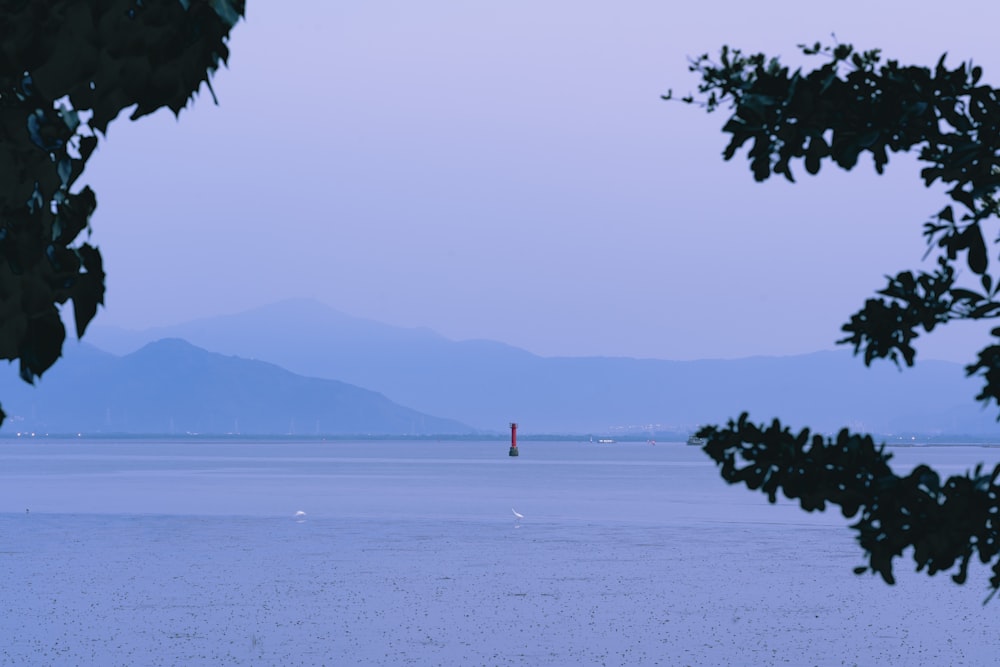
564	481
628	554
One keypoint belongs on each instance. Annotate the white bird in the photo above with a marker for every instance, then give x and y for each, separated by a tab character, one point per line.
517	515
300	516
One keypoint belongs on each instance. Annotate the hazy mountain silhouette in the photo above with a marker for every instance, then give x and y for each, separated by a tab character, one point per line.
171	386
486	384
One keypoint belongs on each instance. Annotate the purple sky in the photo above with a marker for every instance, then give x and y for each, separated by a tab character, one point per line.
508	171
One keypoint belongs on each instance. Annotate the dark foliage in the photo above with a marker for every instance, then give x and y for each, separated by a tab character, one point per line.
67	69
857	104
852	105
946	523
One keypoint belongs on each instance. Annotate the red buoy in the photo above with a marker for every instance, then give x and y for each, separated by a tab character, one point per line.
513	439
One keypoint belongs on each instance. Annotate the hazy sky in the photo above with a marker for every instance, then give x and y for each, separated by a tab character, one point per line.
507	170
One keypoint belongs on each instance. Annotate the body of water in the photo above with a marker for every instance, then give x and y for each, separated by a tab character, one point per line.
157	552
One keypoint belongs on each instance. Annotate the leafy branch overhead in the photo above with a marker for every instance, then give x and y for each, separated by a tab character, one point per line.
858	103
853	104
67	69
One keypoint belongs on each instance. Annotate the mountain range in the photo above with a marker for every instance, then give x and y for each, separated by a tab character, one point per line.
172	387
485	384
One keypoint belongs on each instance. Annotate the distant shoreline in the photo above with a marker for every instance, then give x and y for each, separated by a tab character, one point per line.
892	441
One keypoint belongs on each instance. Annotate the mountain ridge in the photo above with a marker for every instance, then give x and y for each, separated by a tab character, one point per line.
171	386
486	383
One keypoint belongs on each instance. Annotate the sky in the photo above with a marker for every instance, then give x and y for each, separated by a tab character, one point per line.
508	171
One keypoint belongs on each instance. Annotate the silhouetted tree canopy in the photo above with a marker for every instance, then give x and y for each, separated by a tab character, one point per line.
67	69
855	104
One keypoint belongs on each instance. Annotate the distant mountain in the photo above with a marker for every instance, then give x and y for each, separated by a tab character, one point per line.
171	386
486	384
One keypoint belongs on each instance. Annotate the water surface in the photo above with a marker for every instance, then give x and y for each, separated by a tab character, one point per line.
628	554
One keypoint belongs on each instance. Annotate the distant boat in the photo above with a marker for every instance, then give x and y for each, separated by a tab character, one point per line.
605	440
696	441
